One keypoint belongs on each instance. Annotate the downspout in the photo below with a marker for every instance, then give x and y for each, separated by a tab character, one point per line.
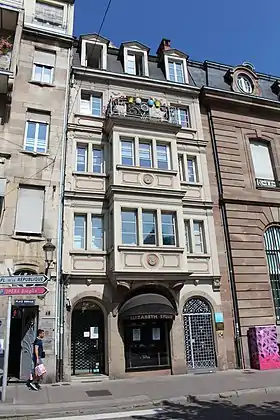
237	329
59	308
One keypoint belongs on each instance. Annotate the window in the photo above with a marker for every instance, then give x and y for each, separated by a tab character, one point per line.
134	63
182	172
36	132
48	13
43	67
192	169
129	227
91	104
163	156
97	232
149	228
30	210
127	152
86	152
145	154
195	236
79	231
168	229
182	115
245	84
190	163
262	160
176	71
272	250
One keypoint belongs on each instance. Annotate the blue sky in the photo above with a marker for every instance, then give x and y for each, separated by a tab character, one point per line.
217	30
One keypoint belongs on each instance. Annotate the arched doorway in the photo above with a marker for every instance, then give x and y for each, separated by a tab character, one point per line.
87	338
146	320
199	335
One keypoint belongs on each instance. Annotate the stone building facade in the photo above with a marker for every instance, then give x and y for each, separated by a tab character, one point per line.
140	261
240	115
36	48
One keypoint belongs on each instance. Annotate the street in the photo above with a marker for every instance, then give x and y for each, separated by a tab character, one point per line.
252	406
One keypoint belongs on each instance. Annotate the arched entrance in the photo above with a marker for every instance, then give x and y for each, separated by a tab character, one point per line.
146	320
199	335
87	338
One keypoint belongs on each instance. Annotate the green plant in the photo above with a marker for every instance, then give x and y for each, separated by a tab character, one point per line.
5	45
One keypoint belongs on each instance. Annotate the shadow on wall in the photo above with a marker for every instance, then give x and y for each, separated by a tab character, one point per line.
212	410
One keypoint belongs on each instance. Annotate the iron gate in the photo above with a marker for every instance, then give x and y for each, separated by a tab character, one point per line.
199	335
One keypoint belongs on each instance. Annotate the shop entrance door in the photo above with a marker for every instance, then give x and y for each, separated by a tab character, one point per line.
24	324
87	339
199	335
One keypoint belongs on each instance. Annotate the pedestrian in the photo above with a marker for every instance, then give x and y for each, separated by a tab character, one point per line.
38	355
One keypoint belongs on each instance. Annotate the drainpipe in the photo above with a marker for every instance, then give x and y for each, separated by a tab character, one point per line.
59	308
237	329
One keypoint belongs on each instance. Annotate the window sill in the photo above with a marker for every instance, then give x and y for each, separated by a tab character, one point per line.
42	84
89	174
191	184
189	130
90	117
196	256
141	169
34	154
87	252
152	248
28	238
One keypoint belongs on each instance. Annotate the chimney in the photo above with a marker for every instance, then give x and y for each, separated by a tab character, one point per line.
164	46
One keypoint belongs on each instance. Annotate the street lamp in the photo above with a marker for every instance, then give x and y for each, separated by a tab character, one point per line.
49	249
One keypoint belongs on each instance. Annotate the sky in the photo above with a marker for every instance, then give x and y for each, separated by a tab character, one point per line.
228	32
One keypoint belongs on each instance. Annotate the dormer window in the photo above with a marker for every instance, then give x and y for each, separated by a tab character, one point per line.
134	63
244	83
135	58
173	62
94	53
176	71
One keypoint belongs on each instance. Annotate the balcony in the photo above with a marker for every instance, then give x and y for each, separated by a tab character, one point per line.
140	109
6	71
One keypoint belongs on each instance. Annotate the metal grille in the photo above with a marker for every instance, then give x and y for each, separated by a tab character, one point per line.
272	249
199	336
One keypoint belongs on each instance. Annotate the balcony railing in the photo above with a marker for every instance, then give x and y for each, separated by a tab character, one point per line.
267	183
144	109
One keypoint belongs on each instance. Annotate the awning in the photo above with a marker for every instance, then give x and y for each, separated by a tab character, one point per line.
147	306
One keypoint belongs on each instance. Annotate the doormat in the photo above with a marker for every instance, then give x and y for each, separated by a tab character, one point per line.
98	393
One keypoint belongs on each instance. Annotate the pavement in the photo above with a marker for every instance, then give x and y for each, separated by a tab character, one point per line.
153	393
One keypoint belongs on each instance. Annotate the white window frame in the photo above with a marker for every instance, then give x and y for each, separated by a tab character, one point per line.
190	247
245	84
43	67
133	52
89	154
91	95
84	215
168	145
178	116
175	227
132	141
36	135
101	217
88	230
266	158
103	53
183	159
175	59
136	212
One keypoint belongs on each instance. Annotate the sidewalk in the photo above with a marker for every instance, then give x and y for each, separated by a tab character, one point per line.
110	395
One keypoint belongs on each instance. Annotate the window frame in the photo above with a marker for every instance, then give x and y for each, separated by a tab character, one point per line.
267	145
168	155
135	223
84	216
89	157
173	61
88	231
154	223
183	166
190	232
43	67
173	214
47	124
92	95
101	218
186	110
131	140
135	52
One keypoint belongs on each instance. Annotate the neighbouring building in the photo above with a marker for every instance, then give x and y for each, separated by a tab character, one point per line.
140	262
35	53
240	114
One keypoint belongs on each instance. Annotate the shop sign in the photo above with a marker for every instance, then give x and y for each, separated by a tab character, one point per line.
150	317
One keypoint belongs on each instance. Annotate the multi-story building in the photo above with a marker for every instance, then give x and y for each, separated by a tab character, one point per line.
35	57
140	259
240	113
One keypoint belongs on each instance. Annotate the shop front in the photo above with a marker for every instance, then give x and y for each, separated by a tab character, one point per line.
146	321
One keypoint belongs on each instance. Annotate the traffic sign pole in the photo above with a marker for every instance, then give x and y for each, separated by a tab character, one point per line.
7	348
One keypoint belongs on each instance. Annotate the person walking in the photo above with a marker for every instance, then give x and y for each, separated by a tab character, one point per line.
38	355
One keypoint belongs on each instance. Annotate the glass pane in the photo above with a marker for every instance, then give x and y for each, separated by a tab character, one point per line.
184	120
79	232
97	232
188	236
171	71
97	160
129	227
181	167
162	157
145	155
149	228
179	72
47	75
38	71
131	64
168	229
198	237
96	106
191	170
42	137
127	152
81	164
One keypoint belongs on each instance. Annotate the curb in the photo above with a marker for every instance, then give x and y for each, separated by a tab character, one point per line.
238	393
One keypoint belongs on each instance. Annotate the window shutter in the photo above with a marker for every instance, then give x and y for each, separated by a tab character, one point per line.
44	58
38	116
30	208
261	160
85	107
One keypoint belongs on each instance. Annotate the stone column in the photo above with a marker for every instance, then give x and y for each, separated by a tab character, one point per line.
177	344
116	349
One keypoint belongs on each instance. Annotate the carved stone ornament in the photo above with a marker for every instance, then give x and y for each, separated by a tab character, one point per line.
148	179
152	260
216	283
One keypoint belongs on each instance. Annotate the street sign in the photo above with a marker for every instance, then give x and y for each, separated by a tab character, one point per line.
24	302
18	280
15	291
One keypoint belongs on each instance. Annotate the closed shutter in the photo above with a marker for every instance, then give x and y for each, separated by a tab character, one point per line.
261	160
38	116
44	58
30	210
49	13
85	106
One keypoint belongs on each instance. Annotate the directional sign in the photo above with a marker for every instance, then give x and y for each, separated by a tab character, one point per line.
16	291
18	280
